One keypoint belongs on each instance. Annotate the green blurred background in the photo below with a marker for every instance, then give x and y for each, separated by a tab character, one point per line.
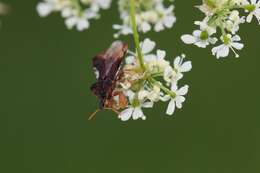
46	72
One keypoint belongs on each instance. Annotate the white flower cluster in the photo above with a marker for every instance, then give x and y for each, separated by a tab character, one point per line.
149	14
225	15
3	9
76	13
144	88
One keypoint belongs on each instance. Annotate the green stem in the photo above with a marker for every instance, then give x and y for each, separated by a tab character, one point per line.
223	31
222	12
165	89
76	4
157	75
135	34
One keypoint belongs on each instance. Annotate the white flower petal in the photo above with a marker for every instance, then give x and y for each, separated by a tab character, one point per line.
147	46
169	21
249	18
150	57
130	60
126	114
71	22
238	46
138	113
104	4
236	38
197	33
213	40
220	51
202	44
130	94
171	107
147	105
179	100
185	67
145	27
165	98
188	39
44	9
161	54
82	24
158	27
168	74
177	62
183	90
116	26
178	77
253	2
142	94
174	87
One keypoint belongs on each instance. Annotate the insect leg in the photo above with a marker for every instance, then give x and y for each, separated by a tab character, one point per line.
112	109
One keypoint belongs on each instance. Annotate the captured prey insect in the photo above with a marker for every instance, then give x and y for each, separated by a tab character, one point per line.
108	70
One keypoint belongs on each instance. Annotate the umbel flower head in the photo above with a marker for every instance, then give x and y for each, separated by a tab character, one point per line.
142	87
76	13
149	87
224	15
150	14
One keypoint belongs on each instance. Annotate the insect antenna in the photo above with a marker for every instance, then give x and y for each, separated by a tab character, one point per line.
93	114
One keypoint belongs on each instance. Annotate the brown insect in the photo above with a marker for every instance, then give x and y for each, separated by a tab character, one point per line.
107	66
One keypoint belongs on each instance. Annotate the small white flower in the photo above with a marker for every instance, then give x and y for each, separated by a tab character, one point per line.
97	4
44	9
80	22
178	100
150	14
167	19
205	27
223	16
156	64
75	15
154	94
176	73
254	10
153	60
135	109
199	38
122	29
68	12
181	67
104	4
147	46
233	22
134	112
229	42
157	58
169	74
145	27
